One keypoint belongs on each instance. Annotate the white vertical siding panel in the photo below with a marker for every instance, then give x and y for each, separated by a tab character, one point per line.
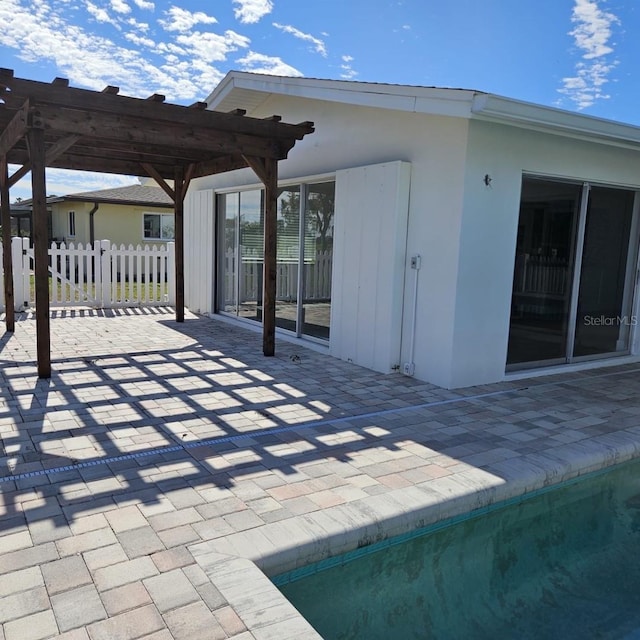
369	264
199	250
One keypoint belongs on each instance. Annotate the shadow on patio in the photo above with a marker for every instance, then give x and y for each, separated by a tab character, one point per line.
142	410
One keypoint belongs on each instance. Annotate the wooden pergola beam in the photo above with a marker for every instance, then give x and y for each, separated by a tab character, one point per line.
43	93
51	155
127	129
15	130
18	174
153	173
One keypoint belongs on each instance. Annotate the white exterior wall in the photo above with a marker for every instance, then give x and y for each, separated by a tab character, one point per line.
489	230
348	137
199	237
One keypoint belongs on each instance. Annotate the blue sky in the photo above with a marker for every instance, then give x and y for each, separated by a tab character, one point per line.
579	55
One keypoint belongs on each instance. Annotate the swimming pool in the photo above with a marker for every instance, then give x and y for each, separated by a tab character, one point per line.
560	563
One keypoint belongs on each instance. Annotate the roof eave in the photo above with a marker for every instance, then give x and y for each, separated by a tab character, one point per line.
464	103
124	203
432	100
492	108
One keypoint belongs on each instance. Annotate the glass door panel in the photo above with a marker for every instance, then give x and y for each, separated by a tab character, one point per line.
543	273
288	258
229	255
251	247
318	259
604	302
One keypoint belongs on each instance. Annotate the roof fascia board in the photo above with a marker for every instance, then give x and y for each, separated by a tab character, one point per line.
447	102
493	108
124	203
451	102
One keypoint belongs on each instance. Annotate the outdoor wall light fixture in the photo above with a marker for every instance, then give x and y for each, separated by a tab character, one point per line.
487	180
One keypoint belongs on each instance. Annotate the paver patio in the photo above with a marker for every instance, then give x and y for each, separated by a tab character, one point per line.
143	485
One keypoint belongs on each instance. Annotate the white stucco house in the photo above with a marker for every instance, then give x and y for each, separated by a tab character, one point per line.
454	235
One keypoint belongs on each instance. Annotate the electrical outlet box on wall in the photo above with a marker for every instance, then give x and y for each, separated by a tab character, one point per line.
408	368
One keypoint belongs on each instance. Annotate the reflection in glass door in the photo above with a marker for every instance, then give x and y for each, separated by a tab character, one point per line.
318	259
304	256
604	298
228	209
573	277
240	258
288	257
542	280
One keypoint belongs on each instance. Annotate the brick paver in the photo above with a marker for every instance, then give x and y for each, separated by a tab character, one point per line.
129	534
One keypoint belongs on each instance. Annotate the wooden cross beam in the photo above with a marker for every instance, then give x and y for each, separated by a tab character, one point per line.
15	130
54	151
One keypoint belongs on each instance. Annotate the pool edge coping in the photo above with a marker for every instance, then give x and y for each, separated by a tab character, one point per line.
240	564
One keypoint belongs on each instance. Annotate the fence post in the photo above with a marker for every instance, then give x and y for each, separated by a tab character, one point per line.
18	279
96	273
171	272
105	273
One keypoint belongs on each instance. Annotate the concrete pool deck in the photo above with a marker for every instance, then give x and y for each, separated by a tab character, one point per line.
149	486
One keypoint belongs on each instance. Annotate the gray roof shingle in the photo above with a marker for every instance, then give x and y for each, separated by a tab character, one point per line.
133	194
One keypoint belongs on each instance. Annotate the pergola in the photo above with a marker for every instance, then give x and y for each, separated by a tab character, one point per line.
55	125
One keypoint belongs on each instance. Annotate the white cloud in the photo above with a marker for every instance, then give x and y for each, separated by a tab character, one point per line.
318	44
41	32
271	65
99	13
183	63
140	41
120	6
212	47
348	72
592	36
251	11
143	4
182	20
140	26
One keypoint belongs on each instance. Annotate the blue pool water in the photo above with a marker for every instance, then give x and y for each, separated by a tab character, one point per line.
563	564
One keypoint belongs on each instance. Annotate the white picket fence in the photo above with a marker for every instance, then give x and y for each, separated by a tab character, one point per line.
102	276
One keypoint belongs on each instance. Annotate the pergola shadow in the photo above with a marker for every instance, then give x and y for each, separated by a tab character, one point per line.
131	427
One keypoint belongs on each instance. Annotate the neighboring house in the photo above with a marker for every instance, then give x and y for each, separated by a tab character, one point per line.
454	235
126	215
21	225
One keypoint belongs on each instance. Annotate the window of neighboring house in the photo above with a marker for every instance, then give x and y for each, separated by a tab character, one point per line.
72	224
158	226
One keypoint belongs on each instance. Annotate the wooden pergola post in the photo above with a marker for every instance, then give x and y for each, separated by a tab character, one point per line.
267	170
270	257
35	138
7	264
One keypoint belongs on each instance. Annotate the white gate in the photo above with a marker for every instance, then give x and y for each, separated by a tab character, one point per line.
102	276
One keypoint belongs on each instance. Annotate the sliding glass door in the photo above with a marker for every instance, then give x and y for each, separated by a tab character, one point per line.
604	296
318	259
304	256
574	273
